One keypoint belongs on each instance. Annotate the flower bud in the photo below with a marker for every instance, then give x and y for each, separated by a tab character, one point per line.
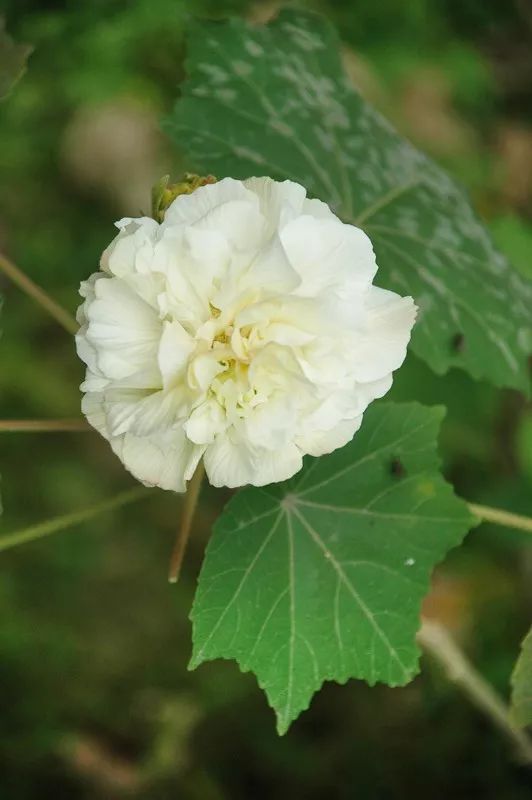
163	194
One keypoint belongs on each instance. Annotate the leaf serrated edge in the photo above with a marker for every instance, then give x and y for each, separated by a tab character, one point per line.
435	415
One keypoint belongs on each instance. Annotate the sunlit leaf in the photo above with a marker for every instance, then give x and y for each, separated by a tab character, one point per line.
274	100
321	578
522	684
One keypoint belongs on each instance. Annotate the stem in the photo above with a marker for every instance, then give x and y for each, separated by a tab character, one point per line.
44	426
16	275
435	639
69	520
189	507
500	517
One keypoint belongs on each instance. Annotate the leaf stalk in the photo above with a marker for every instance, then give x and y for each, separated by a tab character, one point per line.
501	517
44	426
183	535
64	521
436	640
42	298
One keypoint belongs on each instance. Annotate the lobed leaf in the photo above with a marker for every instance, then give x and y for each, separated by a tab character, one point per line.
322	577
274	100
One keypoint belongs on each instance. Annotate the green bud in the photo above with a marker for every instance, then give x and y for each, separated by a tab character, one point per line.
164	193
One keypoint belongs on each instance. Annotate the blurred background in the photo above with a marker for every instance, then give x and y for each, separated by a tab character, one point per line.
96	702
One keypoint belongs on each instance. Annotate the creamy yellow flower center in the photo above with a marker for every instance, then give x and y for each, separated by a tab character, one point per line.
221	364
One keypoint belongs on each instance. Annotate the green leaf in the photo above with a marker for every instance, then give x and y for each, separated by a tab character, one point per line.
13	59
521	707
322	577
274	100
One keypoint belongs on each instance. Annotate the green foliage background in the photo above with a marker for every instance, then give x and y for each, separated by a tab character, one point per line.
96	701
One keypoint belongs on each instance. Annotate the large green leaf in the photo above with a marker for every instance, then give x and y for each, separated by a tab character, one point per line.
522	684
322	577
274	100
12	61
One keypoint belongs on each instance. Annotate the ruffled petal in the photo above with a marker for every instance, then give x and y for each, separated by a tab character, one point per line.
93	408
123	330
162	460
232	462
132	250
205	423
279	465
271	425
382	348
329	255
318	443
229	461
188	209
142	414
175	348
280	202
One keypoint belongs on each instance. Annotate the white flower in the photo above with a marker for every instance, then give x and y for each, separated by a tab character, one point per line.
244	329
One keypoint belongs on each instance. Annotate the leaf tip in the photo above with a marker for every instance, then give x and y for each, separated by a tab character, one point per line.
282	724
196	660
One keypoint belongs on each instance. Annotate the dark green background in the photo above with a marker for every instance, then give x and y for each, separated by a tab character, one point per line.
95	699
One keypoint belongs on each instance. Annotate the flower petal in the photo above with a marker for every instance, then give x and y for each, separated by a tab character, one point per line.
132	250
187	209
271	425
205	423
317	443
280	202
328	254
279	465
124	331
159	459
175	348
142	413
229	461
382	348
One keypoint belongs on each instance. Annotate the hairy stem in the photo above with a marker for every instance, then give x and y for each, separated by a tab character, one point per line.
69	520
189	507
21	280
44	426
500	517
435	639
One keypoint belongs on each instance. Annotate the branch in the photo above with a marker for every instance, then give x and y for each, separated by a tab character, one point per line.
21	280
69	520
44	426
435	639
191	501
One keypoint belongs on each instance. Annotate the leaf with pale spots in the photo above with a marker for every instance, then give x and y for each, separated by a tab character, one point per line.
273	100
322	577
521	707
